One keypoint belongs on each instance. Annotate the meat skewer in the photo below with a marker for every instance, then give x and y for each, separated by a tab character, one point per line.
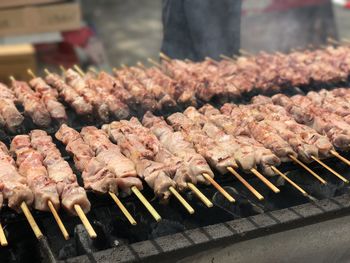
241	151
116	107
33	106
310	137
74	80
217	156
165	100
13	186
60	172
264	157
68	94
96	176
143	99
15	189
49	97
236	113
116	87
322	121
177	145
30	163
156	165
336	101
12	118
99	142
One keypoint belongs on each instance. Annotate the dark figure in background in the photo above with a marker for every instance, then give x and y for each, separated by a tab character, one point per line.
195	29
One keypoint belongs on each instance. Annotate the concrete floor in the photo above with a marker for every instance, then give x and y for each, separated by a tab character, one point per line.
318	243
131	30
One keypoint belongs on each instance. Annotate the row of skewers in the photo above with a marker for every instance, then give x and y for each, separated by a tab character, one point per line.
176	153
168	86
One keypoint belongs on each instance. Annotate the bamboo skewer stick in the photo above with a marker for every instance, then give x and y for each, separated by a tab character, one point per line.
289	181
93	70
210	59
345	40
227	58
144	201
343	159
79	70
245	52
333	41
58	220
155	63
3	240
31	221
200	195
30	73
85	221
219	187
47	72
140	64
123	209
308	169
163	56
62	69
265	181
330	169
188	207
246	184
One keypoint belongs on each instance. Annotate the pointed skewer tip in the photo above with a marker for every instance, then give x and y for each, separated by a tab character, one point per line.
31	73
79	70
47	72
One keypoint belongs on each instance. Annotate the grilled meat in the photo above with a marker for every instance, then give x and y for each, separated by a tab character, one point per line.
32	103
31	166
60	172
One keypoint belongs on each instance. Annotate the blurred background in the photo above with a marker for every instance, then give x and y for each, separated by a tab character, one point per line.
107	33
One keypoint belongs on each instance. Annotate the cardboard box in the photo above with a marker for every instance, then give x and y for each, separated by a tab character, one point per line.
16	3
15	60
42	18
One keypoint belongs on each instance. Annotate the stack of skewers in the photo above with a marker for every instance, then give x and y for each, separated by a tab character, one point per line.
170	154
167	87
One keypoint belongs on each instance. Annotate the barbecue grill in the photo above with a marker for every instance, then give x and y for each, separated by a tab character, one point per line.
179	235
209	232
